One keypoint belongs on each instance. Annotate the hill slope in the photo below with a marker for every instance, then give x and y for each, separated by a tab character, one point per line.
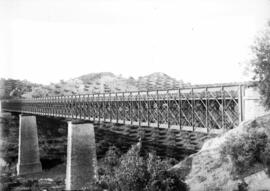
90	83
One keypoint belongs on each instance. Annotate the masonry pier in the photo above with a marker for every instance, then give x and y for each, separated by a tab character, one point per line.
81	156
28	156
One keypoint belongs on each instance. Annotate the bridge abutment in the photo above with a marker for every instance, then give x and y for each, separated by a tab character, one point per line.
252	103
28	156
81	156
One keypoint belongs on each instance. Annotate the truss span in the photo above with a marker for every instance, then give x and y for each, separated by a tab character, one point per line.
203	108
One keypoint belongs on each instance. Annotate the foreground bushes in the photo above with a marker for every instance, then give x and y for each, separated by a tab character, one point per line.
135	173
249	149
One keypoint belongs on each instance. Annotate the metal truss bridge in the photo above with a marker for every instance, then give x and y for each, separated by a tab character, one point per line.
207	108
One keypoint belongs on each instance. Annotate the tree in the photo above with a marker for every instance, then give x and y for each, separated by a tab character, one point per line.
261	64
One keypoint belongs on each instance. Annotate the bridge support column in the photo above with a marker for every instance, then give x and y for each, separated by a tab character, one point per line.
81	156
28	156
252	106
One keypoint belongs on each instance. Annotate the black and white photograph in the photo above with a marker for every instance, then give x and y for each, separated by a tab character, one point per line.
135	95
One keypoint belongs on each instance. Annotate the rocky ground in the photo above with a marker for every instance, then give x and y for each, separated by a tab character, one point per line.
211	169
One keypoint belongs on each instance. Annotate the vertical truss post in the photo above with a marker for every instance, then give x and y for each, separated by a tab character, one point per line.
76	106
88	107
62	98
193	104
63	105
179	109
104	107
117	107
167	109
240	104
222	111
58	105
36	106
44	106
93	109
99	102
84	107
131	109
139	108
46	103
49	105
66	106
124	107
206	110
148	109
53	106
41	106
158	105
72	107
110	106
80	106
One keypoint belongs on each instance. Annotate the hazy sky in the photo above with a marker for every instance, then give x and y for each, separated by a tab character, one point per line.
199	41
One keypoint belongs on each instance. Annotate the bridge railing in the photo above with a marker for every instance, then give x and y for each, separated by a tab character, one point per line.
206	108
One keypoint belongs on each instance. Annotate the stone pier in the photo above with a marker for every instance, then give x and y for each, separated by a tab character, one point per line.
28	156
81	156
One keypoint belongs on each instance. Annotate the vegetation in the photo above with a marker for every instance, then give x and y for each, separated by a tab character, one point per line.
261	64
249	150
133	172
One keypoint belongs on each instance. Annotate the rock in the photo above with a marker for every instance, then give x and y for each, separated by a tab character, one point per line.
209	169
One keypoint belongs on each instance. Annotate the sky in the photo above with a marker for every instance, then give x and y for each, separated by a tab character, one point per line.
197	41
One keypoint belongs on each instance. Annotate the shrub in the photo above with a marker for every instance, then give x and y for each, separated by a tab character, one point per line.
248	150
132	172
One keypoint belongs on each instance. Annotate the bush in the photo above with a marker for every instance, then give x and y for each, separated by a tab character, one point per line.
132	172
248	150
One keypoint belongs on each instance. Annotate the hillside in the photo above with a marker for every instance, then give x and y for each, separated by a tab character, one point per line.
236	160
157	81
86	84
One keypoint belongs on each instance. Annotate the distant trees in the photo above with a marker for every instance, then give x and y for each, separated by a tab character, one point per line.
261	64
